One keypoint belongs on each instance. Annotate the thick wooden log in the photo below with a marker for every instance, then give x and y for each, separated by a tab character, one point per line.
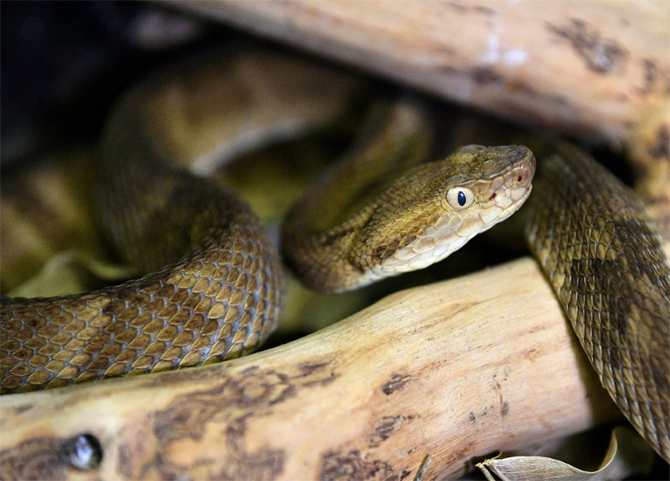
457	369
594	69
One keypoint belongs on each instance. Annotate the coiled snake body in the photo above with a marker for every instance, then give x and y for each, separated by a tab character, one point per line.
224	297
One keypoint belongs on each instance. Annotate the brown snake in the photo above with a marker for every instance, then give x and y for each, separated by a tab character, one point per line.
588	231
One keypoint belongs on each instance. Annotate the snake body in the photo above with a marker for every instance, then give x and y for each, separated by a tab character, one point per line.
224	296
217	302
603	257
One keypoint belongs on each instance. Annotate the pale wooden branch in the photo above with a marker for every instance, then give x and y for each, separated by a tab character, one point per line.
457	369
594	69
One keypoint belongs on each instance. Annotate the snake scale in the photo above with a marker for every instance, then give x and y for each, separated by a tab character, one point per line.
224	297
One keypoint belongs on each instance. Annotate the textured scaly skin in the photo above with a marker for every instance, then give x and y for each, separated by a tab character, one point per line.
224	298
603	257
219	301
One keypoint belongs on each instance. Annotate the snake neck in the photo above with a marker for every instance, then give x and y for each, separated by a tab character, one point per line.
321	229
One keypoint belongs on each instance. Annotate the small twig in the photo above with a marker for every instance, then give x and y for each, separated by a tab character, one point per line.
423	467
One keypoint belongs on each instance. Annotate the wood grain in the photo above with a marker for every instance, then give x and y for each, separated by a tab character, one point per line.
594	69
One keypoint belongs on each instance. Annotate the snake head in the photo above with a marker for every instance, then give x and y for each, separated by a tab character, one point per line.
454	199
495	180
419	218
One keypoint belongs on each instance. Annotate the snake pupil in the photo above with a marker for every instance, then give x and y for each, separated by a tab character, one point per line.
461	198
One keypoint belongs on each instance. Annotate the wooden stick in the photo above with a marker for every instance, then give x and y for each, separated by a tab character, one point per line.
457	370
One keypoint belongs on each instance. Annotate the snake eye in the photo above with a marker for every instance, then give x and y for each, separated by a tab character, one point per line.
460	197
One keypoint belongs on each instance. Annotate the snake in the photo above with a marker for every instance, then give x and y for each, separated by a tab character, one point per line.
215	284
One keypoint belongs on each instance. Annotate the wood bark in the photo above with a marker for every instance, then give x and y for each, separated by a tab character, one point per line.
593	69
457	370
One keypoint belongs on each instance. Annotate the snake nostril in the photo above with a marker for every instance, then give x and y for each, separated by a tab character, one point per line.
493	196
520	178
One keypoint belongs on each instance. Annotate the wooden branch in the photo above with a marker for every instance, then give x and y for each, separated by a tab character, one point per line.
457	369
593	69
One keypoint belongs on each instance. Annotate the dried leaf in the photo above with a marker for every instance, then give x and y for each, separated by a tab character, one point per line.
627	454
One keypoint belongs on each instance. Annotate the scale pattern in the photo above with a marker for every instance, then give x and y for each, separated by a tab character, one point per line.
219	301
604	259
